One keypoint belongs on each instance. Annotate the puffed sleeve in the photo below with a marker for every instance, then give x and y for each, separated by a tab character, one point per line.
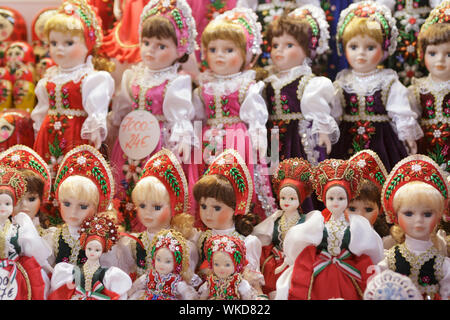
40	110
97	90
254	249
179	110
364	239
186	291
264	230
48	235
199	108
117	281
444	284
415	104
122	102
62	274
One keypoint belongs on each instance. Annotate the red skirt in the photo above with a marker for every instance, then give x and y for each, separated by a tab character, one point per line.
271	259
66	292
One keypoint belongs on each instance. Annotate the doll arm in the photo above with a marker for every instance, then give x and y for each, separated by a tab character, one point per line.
246	291
62	275
117	281
97	90
203	291
254	249
415	105
121	103
364	239
187	292
40	110
444	284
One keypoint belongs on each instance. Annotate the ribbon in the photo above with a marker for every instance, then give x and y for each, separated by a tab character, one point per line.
11	261
94	293
326	259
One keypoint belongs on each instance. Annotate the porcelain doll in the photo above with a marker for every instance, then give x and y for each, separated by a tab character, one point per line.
291	182
73	97
224	198
390	285
91	280
156	86
83	186
371	102
229	101
12	28
170	276
226	256
299	102
431	95
16	127
23	253
415	197
329	254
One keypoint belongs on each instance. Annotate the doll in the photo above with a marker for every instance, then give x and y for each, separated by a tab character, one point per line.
328	255
431	94
226	256
73	97
372	102
170	276
38	40
23	253
12	28
291	182
83	186
299	102
16	127
91	281
389	285
415	197
6	86
154	85
224	198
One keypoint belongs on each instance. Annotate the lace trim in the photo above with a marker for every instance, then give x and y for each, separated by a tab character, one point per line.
352	82
148	78
6	232
73	243
439	90
336	230
225	85
283	78
215	122
60	76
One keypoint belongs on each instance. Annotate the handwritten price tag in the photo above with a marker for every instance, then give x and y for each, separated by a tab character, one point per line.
8	290
139	134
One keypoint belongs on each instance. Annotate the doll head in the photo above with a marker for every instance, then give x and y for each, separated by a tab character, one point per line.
231	42
226	255
32	200
12	188
12	25
18	54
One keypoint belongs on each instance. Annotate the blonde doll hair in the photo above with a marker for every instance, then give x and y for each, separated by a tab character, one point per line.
150	189
79	187
362	27
435	34
184	224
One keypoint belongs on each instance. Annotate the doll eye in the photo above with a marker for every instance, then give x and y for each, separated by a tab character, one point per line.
142	205
352	209
432	53
146	43
428	214
217	208
32	199
5	128
162	46
408	213
53	43
230	50
84	206
157	207
203	206
275	46
368	209
353	47
290	45
66	204
69	43
212	50
370	48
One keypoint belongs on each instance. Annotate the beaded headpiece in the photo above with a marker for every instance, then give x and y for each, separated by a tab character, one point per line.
413	168
17	20
46	12
332	172
23	157
13	181
86	161
230	165
376	12
179	13
372	167
293	171
176	243
316	18
233	246
101	228
165	166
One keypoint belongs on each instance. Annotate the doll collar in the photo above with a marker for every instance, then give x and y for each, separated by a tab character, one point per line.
224	231
286	76
417	245
74	231
87	65
160	72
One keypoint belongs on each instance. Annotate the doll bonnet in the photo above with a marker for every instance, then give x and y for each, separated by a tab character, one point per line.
86	161
101	228
372	167
22	157
414	168
233	246
179	13
13	181
176	243
374	11
165	166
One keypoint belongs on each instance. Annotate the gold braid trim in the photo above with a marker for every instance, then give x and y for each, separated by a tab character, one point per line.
27	279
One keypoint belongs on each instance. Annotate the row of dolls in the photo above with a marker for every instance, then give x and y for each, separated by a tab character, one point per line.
327	254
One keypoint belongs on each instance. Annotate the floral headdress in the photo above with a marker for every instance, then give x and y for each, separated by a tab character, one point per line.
86	161
376	12
316	18
23	157
179	13
101	228
230	165
372	167
294	171
13	181
235	247
165	166
414	168
176	243
332	172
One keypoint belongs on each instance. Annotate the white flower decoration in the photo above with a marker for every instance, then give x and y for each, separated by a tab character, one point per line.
81	160
15	157
412	22
57	125
361	163
416	167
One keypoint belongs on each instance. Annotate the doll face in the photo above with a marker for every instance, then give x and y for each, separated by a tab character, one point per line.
215	214
6	129
154	215
223	265
437	61
286	52
29	204
223	57
158	53
74	211
67	50
6	28
6	206
336	200
14	56
164	263
289	199
93	250
363	53
417	221
367	209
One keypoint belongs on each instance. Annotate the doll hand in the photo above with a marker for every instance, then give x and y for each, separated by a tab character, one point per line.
70	285
184	151
117	9
280	268
411	146
324	141
97	141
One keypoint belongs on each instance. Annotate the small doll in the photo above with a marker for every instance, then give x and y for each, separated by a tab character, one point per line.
83	186
38	39
16	127
371	102
6	88
291	182
12	28
299	102
328	255
36	173
390	285
23	253
170	276
226	258
431	94
73	97
155	86
91	281
224	197
415	197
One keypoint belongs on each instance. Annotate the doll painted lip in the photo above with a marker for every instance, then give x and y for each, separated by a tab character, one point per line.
361	60
440	67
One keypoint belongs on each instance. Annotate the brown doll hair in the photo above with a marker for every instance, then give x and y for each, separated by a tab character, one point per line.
35	185
369	192
435	34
